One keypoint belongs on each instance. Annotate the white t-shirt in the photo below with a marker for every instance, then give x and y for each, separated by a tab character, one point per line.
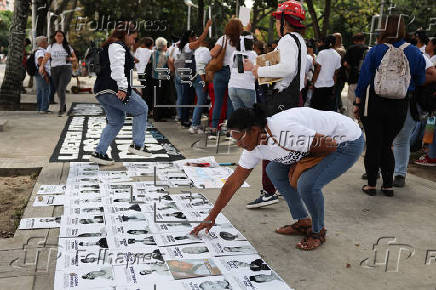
309	63
422	49
40	52
433	59
202	58
287	68
177	51
294	129
428	62
228	58
58	54
244	80
330	61
143	54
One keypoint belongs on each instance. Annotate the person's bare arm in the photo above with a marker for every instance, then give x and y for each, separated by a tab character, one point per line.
215	50
323	144
335	76
43	62
430	75
316	72
171	64
233	183
196	44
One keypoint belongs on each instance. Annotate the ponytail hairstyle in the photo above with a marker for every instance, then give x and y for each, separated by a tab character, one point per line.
119	33
245	118
330	41
185	38
65	44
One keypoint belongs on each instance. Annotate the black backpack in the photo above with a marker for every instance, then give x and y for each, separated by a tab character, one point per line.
92	59
31	67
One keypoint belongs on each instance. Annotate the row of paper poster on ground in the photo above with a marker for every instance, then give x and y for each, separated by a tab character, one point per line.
135	235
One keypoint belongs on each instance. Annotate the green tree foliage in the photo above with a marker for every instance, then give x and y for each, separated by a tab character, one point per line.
5	24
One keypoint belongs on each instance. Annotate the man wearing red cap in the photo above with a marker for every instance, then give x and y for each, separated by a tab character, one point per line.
289	17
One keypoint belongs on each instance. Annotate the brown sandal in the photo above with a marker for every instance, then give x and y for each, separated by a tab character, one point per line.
301	227
312	241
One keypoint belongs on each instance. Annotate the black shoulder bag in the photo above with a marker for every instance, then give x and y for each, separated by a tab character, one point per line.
288	98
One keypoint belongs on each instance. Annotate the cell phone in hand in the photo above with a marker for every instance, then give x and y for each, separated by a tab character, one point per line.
240	60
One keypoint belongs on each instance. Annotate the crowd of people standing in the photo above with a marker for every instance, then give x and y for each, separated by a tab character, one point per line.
305	102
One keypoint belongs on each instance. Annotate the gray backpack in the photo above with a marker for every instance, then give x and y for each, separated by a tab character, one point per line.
185	64
392	78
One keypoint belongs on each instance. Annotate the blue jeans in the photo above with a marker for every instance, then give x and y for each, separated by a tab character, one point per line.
42	93
116	113
402	146
311	182
220	82
178	86
201	100
242	98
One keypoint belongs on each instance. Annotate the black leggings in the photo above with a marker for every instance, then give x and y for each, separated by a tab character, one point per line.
383	123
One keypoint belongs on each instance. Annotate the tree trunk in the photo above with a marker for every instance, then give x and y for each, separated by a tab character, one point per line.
41	17
315	24
200	14
12	82
326	22
69	18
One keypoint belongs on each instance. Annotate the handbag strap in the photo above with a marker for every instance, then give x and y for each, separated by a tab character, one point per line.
297	42
268	131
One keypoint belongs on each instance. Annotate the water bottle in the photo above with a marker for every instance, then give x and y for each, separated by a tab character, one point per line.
429	131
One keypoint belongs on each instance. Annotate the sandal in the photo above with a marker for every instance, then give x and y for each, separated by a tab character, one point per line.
312	241
301	227
368	191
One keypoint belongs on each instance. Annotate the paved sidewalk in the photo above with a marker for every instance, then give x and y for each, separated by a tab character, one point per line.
355	222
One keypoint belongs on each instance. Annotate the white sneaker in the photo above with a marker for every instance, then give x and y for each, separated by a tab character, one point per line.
212	137
263	200
193	130
141	151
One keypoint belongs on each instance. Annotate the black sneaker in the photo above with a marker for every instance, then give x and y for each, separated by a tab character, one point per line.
101	159
399	181
264	199
141	151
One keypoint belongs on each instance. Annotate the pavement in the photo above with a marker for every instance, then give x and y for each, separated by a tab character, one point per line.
372	242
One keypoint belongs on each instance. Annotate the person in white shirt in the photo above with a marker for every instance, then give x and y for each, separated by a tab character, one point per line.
143	55
61	56
114	92
289	17
42	80
327	65
308	87
430	50
284	139
183	55
242	91
230	40
202	58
